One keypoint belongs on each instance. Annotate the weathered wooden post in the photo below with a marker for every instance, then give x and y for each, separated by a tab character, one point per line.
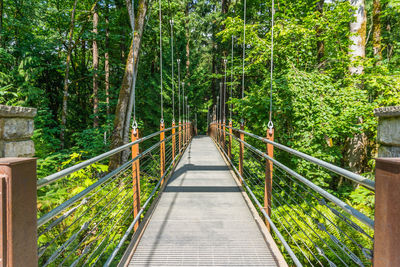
162	151
268	176
135	175
230	140
18	204
387	212
173	142
241	152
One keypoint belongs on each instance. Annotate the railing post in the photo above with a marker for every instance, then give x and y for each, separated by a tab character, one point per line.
135	176
162	151
173	143
241	152
18	204
180	137
223	135
268	177
387	212
230	140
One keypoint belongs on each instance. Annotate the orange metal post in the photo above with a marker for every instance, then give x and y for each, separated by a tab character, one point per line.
268	177
173	142
180	137
162	152
230	140
223	135
241	152
18	205
387	213
135	176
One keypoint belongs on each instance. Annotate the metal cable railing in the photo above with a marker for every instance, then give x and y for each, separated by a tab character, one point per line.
319	228
88	223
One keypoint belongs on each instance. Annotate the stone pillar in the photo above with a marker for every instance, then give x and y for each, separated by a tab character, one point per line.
16	130
388	132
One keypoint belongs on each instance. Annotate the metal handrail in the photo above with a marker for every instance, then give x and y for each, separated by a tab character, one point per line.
56	176
360	216
343	172
54	212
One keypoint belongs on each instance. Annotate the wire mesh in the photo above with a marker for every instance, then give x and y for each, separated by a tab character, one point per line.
319	232
87	231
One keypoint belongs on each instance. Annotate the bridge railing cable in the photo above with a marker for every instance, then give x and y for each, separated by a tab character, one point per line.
85	223
320	228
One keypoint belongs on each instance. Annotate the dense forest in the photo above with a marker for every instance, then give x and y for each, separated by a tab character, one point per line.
335	61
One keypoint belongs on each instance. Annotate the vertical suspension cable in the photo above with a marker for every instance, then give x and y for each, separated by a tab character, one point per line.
270	123
244	51
244	46
133	93
173	74
179	88
230	97
183	101
220	102
225	62
161	67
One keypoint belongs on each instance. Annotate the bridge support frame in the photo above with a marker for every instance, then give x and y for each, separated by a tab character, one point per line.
387	212
268	177
241	151
162	151
18	205
135	176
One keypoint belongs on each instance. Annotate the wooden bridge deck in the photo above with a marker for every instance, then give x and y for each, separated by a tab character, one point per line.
202	218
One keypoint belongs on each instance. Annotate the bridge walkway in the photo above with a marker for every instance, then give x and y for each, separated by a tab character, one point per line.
203	218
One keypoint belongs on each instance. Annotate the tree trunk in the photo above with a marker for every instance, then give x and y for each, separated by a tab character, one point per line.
107	60
120	133
65	90
95	68
320	43
1	23
358	30
356	147
376	21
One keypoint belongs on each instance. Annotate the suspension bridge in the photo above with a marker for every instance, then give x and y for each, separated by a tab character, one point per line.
222	199
185	200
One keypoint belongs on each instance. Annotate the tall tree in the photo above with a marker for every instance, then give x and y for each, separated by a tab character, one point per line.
356	148
95	68
107	58
1	22
320	43
358	29
376	24
66	81
123	111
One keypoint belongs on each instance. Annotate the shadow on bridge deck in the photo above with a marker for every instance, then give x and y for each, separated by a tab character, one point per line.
202	218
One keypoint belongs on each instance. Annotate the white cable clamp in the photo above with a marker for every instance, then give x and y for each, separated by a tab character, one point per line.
270	126
134	126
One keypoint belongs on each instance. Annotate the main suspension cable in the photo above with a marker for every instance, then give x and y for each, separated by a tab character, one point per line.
173	74
270	123
161	67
